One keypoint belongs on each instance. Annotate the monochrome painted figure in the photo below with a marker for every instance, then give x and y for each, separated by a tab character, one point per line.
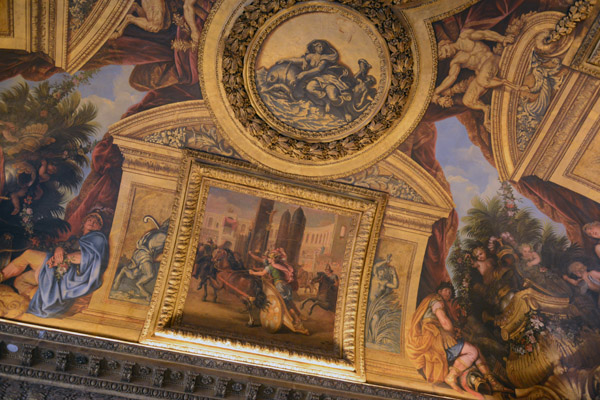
135	279
384	314
316	91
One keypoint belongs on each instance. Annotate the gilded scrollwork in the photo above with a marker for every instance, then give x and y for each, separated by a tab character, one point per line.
202	137
372	178
388	25
579	11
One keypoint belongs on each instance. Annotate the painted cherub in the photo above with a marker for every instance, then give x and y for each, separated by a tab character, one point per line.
580	270
586	279
592	229
484	264
531	257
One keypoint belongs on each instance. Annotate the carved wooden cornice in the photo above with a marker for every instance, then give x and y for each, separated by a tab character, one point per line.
114	369
182	114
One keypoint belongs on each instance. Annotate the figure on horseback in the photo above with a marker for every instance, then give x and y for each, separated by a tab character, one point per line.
283	276
228	273
204	270
327	291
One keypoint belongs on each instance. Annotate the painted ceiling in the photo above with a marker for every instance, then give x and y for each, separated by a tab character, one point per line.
392	196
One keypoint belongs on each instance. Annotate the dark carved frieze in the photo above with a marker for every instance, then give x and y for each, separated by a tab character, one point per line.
32	358
13	389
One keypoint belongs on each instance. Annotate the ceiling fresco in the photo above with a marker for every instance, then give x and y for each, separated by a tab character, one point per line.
401	195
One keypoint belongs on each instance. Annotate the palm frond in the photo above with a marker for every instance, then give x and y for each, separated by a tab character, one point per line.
551	239
69	175
15	100
39	96
484	219
49	205
68	105
73	137
16	95
386	329
50	227
84	114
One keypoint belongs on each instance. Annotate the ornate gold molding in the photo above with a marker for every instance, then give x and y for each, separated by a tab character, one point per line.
579	11
585	54
316	145
170	116
95	31
510	136
179	125
560	126
149	157
43	26
200	171
7	18
313	160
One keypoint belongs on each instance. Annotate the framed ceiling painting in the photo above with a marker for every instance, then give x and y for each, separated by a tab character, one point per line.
265	270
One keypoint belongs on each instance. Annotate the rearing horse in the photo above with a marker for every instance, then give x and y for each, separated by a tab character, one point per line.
233	277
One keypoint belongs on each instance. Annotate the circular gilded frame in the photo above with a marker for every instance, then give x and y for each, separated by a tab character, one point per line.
342	25
226	37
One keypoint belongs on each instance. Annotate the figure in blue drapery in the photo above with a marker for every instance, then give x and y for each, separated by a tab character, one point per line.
68	273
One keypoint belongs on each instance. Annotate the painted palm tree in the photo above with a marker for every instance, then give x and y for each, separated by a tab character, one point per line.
498	219
45	135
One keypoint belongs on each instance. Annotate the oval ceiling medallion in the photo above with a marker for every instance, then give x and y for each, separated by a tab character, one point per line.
317	84
310	88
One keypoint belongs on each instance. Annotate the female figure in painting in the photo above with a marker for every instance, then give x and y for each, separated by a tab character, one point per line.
436	347
276	266
383	283
385	279
62	276
324	80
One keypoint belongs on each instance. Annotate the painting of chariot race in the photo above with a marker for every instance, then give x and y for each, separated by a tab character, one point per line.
267	269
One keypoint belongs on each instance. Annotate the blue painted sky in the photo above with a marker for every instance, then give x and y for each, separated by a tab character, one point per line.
467	170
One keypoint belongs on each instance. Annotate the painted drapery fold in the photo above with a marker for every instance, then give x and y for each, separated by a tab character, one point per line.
56	296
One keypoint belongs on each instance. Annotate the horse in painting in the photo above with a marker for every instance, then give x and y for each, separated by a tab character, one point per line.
229	274
327	292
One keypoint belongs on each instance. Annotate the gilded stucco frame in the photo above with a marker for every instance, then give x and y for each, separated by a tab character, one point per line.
199	172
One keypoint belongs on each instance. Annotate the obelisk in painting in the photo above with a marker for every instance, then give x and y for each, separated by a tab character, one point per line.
284	230
296	233
260	234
